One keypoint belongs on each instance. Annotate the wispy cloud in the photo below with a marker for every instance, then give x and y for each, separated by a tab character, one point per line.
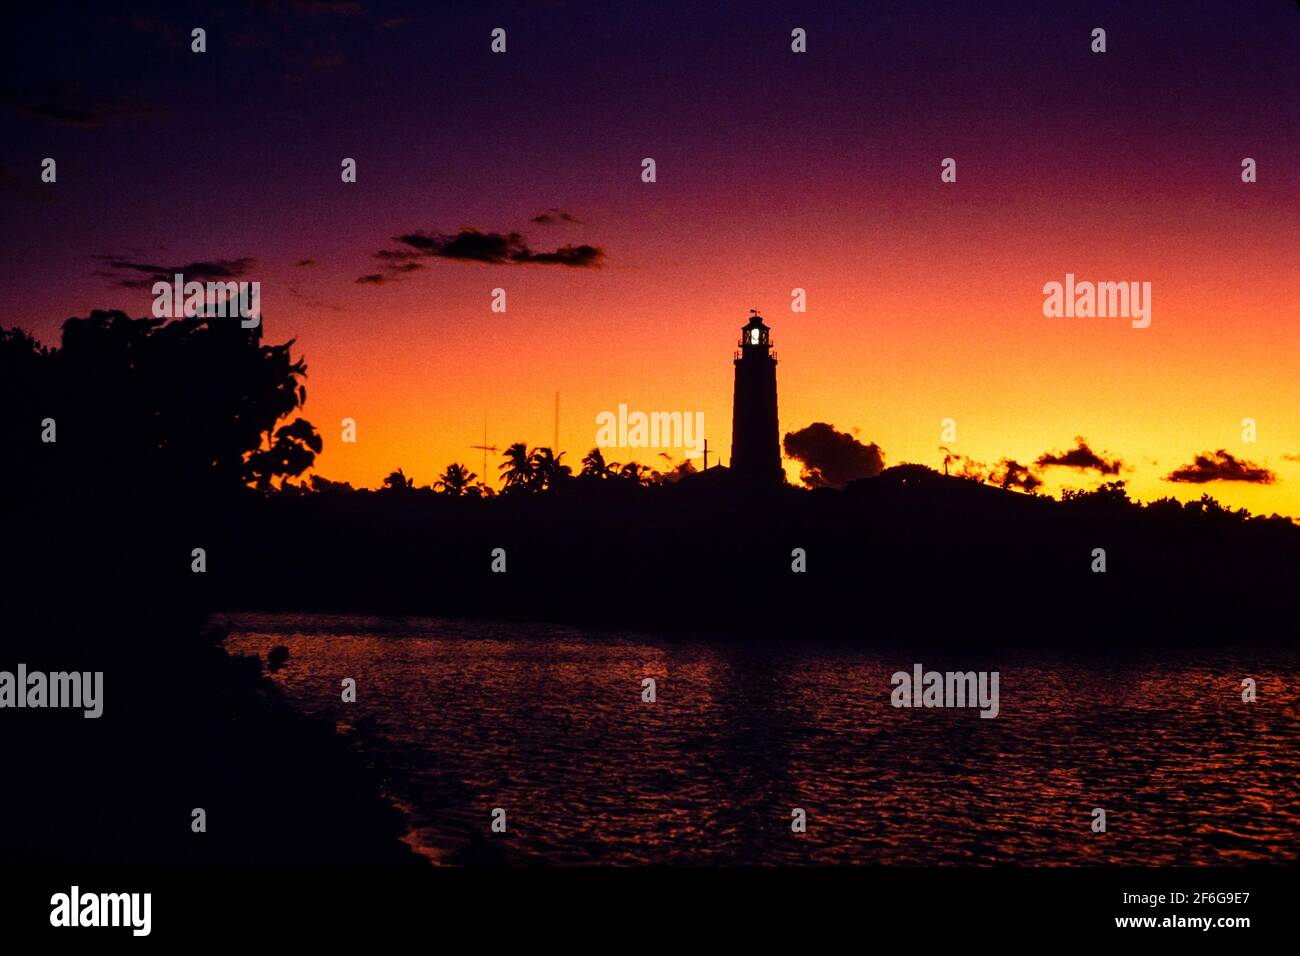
142	275
473	245
555	216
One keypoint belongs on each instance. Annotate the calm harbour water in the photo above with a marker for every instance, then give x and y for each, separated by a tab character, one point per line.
548	723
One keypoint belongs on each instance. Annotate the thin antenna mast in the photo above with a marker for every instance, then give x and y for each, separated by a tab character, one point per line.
486	448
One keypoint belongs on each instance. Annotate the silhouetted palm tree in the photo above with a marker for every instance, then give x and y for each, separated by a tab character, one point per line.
455	480
595	466
518	468
638	474
397	481
547	470
948	458
679	470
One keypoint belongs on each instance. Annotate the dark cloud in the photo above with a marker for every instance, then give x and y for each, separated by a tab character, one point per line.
1009	473
142	275
373	279
1081	457
498	249
397	255
471	245
832	459
579	257
65	104
1221	466
553	216
305	262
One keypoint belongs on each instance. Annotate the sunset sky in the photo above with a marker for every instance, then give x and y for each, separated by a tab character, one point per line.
775	171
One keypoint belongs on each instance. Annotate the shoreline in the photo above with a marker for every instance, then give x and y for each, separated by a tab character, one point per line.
186	727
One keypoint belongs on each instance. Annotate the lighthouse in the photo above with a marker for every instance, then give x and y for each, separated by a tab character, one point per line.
755	441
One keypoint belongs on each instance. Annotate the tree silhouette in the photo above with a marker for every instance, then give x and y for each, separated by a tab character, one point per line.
595	466
397	481
638	474
322	485
1109	495
295	447
455	481
194	405
27	390
547	470
518	468
679	470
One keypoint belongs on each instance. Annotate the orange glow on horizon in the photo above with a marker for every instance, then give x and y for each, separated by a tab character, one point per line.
903	330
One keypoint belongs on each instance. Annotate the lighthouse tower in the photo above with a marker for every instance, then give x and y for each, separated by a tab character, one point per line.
755	443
